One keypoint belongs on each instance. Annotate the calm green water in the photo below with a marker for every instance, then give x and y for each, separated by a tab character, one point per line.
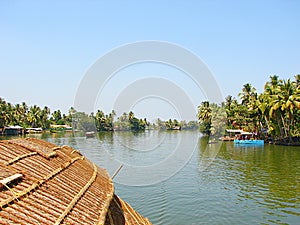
240	185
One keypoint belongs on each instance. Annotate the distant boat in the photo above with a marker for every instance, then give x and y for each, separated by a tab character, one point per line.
34	130
175	128
90	134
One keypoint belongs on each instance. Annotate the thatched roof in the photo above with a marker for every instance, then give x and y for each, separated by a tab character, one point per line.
41	183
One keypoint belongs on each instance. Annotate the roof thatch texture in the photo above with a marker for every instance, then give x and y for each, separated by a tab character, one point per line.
41	183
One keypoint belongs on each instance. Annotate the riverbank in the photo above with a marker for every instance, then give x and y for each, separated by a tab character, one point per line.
286	142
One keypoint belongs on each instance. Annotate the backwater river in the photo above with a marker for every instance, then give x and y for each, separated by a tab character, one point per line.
177	177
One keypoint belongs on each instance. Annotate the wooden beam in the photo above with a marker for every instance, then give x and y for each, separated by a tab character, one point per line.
7	180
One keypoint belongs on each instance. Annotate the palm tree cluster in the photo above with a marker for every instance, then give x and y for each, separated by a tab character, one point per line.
212	118
104	122
130	122
274	113
175	124
33	116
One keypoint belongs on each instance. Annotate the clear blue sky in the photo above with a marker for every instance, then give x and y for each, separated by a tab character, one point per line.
47	46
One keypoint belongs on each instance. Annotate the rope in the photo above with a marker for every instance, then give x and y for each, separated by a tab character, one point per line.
20	157
105	209
77	197
11	191
38	183
56	148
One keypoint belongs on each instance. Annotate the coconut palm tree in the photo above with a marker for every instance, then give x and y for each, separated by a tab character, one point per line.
100	120
297	78
10	113
57	118
290	103
264	108
247	94
130	116
3	113
23	111
231	106
169	124
249	99
33	116
283	105
204	112
44	117
271	106
204	117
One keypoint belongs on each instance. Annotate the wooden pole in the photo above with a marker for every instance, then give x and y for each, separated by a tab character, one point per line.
117	171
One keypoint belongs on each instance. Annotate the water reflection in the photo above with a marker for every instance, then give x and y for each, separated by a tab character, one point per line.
263	178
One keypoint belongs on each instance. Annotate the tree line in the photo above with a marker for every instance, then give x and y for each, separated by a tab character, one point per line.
35	116
274	113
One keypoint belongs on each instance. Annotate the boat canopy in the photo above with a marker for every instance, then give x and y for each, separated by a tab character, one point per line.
246	133
234	131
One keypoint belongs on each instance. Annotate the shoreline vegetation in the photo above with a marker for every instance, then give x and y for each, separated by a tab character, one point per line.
273	115
36	119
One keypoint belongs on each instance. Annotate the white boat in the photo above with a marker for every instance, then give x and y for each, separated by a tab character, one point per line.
231	134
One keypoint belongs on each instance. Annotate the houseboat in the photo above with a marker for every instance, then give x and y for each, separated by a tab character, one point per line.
13	130
41	183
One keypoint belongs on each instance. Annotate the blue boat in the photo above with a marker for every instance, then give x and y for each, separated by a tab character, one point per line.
248	142
246	138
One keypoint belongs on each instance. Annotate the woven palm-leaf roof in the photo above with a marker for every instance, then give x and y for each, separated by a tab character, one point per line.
41	183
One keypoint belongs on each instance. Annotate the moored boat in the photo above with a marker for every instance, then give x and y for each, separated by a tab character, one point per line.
230	135
247	138
13	130
249	142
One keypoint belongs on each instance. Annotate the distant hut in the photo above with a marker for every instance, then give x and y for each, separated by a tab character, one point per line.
41	183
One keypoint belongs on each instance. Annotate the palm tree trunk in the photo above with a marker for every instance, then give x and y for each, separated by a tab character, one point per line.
280	126
289	126
284	127
267	121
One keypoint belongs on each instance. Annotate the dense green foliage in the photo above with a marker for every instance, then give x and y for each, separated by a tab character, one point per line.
175	125
274	113
130	122
34	116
